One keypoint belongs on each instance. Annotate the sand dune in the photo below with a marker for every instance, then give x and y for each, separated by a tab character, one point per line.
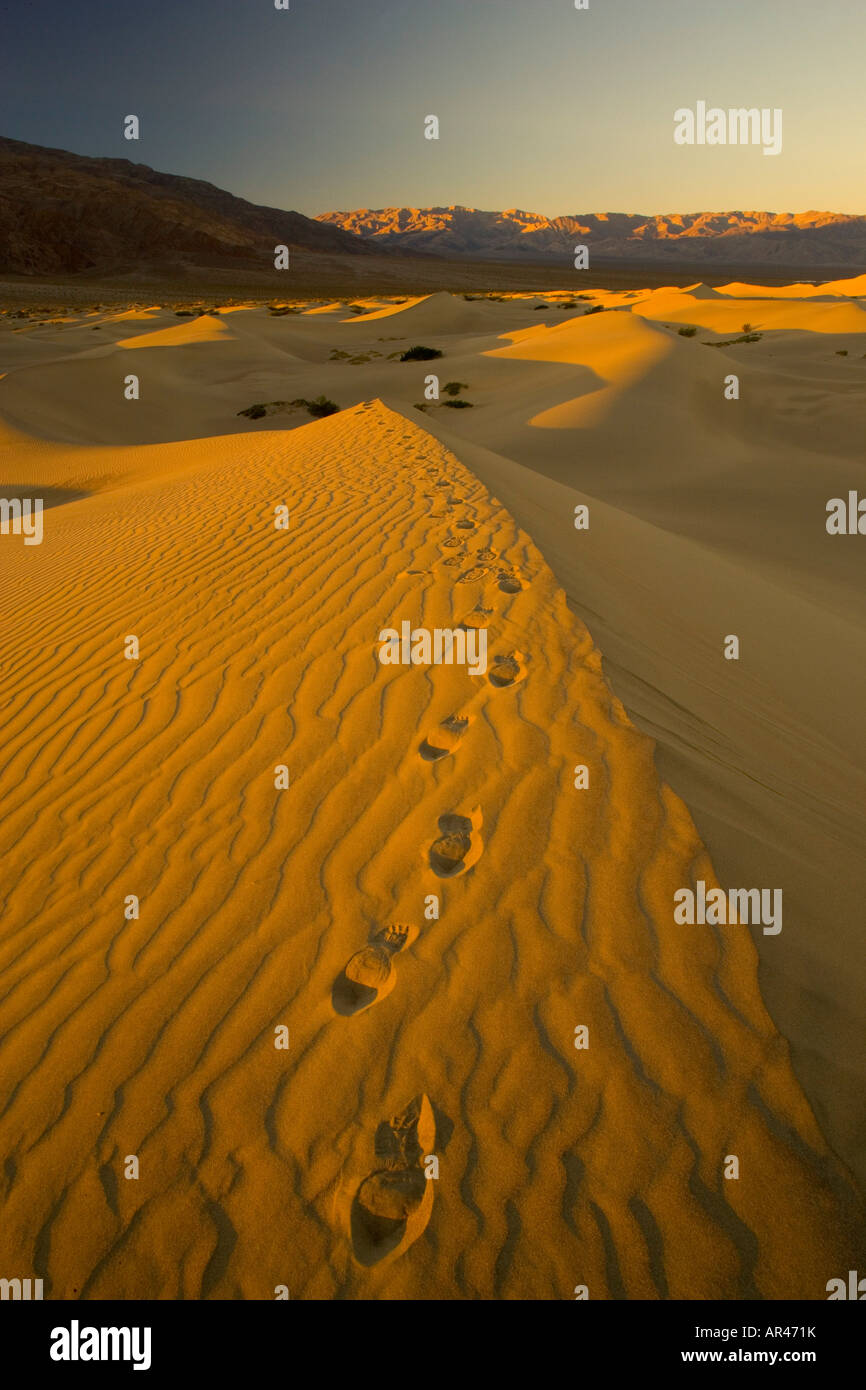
855	288
441	313
204	329
413	1036
721	316
615	351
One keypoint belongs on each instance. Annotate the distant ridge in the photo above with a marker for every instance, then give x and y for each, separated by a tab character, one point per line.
67	213
750	238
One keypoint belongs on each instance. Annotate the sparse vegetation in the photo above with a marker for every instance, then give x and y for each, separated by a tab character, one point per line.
596	309
318	408
744	338
842	352
338	355
453	388
687	332
457	405
420	353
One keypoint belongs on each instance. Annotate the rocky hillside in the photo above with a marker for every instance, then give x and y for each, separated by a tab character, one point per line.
65	213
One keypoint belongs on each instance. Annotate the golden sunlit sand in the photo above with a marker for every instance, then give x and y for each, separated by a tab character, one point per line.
307	908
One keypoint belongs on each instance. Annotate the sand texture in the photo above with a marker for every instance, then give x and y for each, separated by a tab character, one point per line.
415	1036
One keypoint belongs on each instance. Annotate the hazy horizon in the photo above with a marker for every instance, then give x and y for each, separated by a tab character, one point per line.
542	108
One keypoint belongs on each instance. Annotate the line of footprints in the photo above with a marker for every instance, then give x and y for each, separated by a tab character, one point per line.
392	1206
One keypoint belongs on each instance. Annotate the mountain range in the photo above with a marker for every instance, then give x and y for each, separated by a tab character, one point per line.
65	214
819	238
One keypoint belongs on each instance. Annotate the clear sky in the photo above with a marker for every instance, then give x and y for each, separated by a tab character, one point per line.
542	107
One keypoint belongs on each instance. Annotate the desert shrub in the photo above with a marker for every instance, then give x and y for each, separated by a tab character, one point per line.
687	332
744	338
842	352
254	412
318	408
458	405
420	354
453	388
185	313
596	309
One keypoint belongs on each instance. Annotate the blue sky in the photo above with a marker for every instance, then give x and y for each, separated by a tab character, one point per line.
541	107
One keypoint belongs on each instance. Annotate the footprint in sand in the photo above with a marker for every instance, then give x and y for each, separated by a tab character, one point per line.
454	560
392	1206
459	845
471	575
446	738
478	618
451	542
443	483
466	525
511	583
506	670
486	554
370	975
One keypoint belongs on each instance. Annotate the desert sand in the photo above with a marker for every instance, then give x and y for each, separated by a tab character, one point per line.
307	908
